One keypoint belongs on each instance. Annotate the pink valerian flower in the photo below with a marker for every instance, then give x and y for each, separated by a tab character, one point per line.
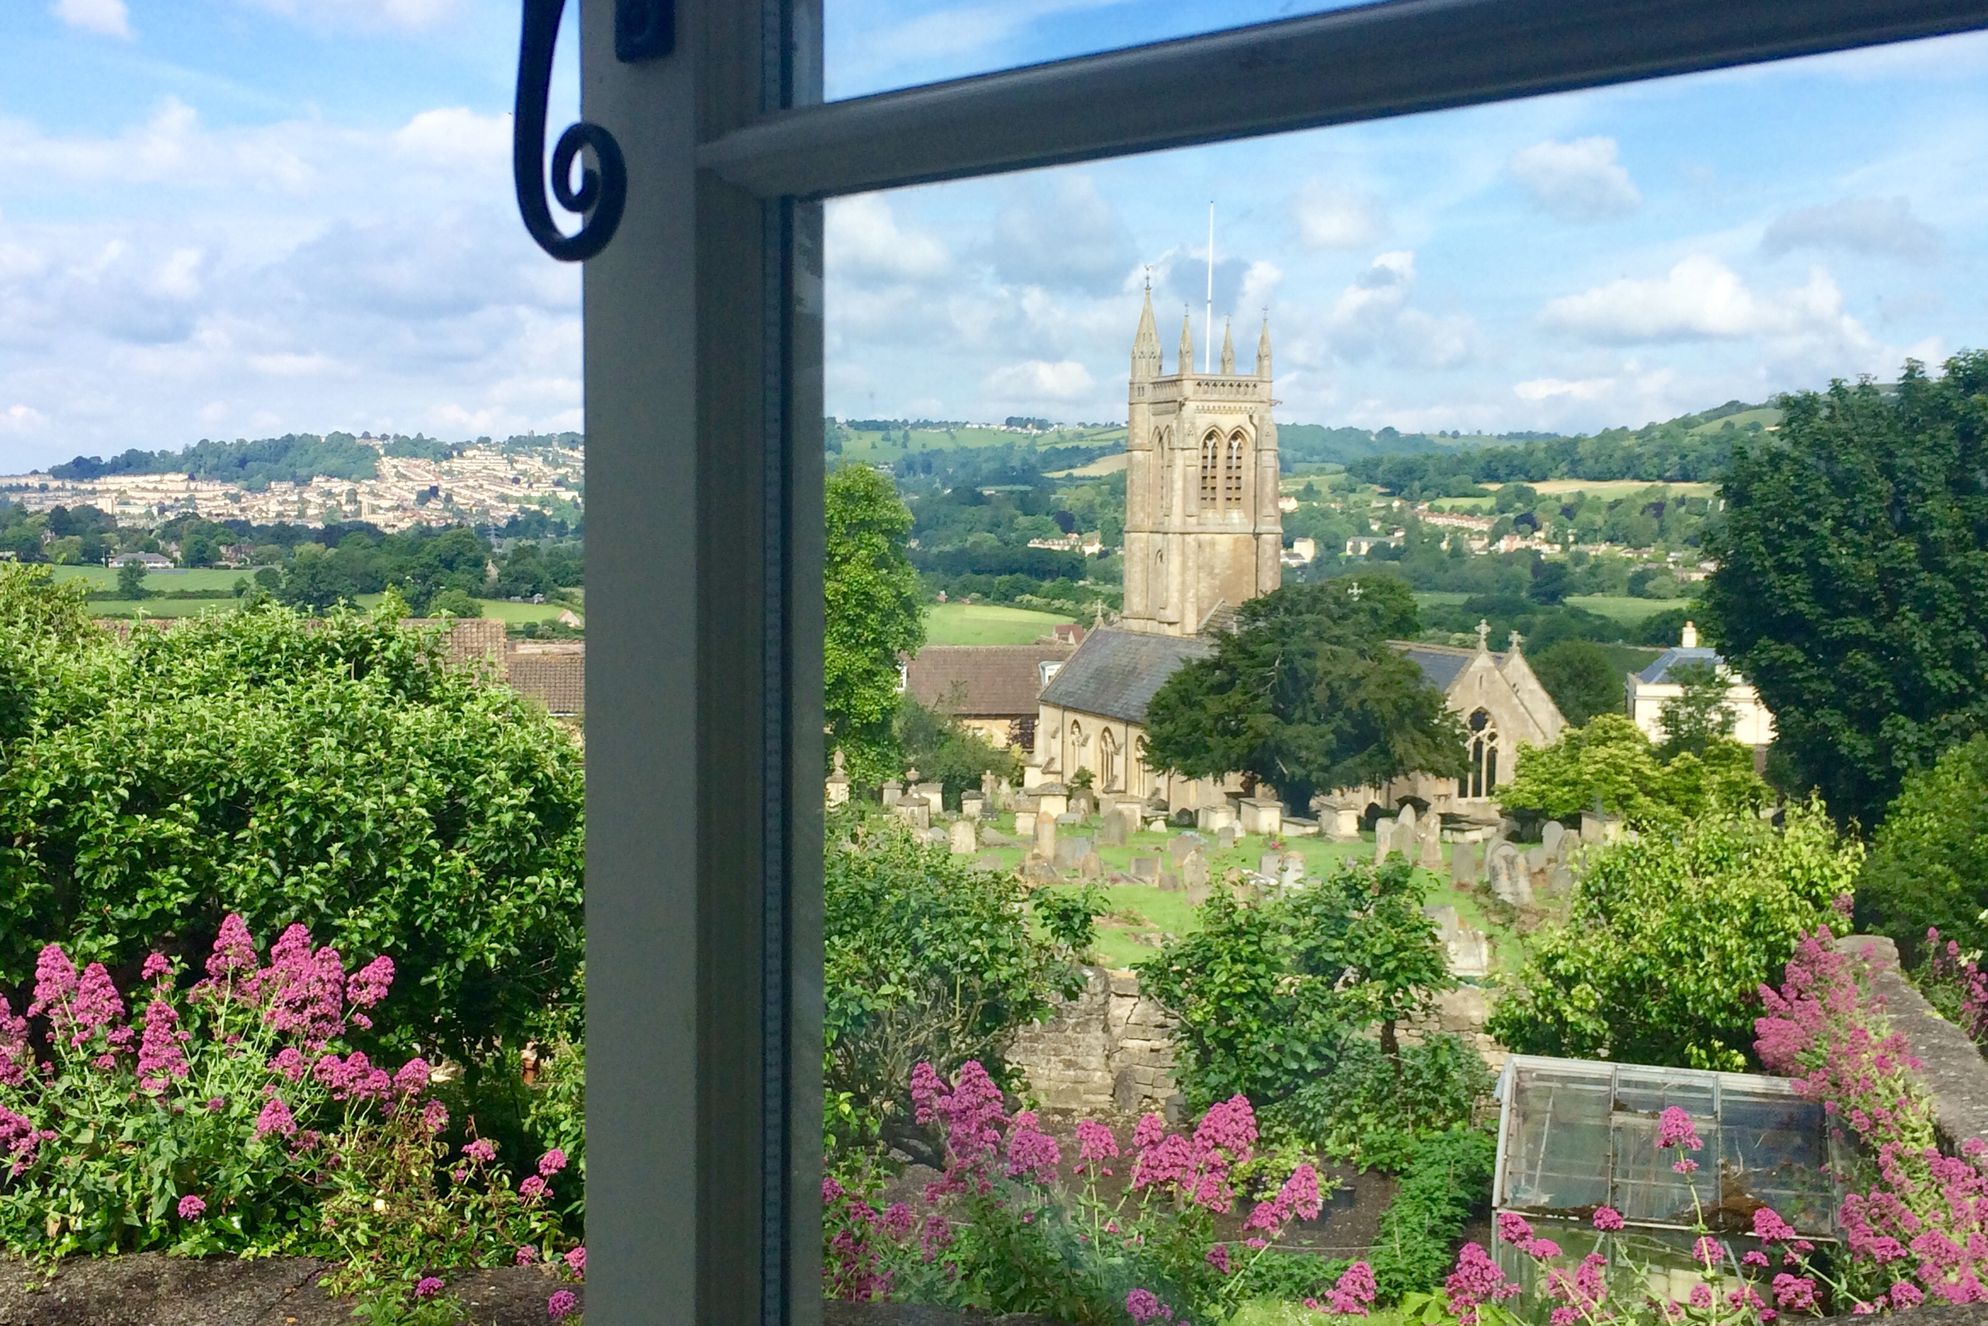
897	1220
1095	1144
972	1113
525	1255
1354	1292
55	981
19	1139
533	1189
576	1261
435	1117
1905	1294
15	1056
1754	1259
412	1079
353	1076
1148	1131
368	986
156	966
1674	1128
1298	1197
1476	1280
484	1151
1512	1228
96	1006
233	953
935	1235
289	1063
275	1118
1226	1133
551	1163
427	1287
1794	1293
1143	1305
1701	1296
1706	1251
1218	1257
1607	1219
1769	1227
160	1059
1540	1249
1032	1153
561	1304
191	1207
308	999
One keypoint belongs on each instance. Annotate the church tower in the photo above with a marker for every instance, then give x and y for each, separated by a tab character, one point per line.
1202	529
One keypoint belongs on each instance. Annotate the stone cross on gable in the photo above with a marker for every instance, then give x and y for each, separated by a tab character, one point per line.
1517	640
1483	634
1354	593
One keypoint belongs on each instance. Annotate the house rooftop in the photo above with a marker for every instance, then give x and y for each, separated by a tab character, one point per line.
1678	656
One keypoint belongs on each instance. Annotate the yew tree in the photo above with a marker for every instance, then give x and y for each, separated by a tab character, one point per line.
1852	587
1307	695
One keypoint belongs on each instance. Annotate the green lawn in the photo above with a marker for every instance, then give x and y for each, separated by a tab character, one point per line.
986	624
103	577
870	447
1140	916
1766	416
511	614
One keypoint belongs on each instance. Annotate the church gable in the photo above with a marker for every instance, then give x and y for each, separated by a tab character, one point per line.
1115	674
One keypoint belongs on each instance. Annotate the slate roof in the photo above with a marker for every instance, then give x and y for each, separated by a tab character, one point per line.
1676	656
1115	673
981	681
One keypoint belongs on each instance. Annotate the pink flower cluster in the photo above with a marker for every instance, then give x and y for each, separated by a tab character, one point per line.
1197	1170
1950	973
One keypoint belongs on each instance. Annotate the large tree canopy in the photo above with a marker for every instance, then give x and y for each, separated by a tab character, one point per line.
1307	695
1852	588
1608	764
873	616
1929	863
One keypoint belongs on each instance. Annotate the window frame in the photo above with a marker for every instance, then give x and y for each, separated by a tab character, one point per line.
703	320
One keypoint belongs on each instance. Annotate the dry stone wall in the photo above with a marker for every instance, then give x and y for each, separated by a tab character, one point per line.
1107	1051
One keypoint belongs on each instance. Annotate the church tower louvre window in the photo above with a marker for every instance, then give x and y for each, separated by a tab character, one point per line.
1232	471
1211	447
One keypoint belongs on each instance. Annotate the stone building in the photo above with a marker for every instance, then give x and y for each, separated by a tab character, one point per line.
1649	690
1203	534
990	689
1202	528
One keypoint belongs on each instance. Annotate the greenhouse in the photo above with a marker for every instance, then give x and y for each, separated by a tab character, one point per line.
1575	1135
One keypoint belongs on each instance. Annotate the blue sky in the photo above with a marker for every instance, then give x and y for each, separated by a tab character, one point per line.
236	217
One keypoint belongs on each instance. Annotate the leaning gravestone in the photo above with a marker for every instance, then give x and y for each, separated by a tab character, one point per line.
1091	867
1194	876
1112	831
1511	882
1183	843
1463	863
1268	863
1169	882
961	838
1070	851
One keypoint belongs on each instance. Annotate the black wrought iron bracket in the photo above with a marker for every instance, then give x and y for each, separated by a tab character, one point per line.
643	30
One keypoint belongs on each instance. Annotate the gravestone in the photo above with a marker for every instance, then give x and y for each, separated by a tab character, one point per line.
990	786
1511	882
961	838
1045	836
1225	838
1194	875
1431	844
1343	824
1052	799
1463	863
970	805
1550	838
914	811
1491	844
1181	844
1169	882
1025	824
1112	831
836	790
1290	870
1469	953
1070	850
1209	819
1406	815
1091	867
1083	804
892	791
1146	869
934	795
1262	815
1560	880
1267	864
993	837
1402	840
1536	860
1383	839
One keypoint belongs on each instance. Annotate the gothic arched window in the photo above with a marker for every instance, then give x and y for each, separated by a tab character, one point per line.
1232	471
1108	760
1135	781
1482	778
1211	455
1162	468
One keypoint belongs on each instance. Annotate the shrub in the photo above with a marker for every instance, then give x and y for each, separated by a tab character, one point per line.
1929	861
1269	995
1448	1180
1670	937
340	772
1610	762
927	958
1379	1111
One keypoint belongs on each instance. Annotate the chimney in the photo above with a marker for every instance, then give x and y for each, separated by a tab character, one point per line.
1690	638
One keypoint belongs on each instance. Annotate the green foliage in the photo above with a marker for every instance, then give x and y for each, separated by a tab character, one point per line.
928	959
873	616
1583	681
1448	1180
131	581
1610	763
1669	939
948	752
1852	587
292	458
1307	695
1377	1111
1929	861
340	772
1701	715
1267	995
454	603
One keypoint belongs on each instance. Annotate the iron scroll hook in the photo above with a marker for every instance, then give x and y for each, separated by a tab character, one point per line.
643	31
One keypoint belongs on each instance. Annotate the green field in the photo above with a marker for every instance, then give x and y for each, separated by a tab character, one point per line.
1766	416
1103	465
1621	608
985	624
1607	489
1445	598
511	614
219	581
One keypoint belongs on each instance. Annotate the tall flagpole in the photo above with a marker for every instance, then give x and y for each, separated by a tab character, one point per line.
1208	317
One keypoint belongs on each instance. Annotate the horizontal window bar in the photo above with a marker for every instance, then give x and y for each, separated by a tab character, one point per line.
1378	60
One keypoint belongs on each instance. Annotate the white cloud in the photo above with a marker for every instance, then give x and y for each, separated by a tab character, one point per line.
290	364
1036	379
1579	180
107	18
1337	219
1062	233
865	239
1374	315
1546	389
21	418
1859	225
1701	298
454	135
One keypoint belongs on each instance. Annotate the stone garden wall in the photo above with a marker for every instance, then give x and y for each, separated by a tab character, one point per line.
1107	1051
1954	1072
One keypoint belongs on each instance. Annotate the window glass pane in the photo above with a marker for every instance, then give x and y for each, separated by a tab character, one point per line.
881	45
